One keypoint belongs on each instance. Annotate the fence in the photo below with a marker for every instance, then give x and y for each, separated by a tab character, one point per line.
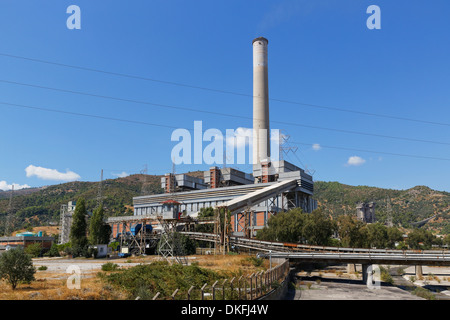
246	287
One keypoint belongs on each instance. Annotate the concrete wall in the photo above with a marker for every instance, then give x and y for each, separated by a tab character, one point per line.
280	292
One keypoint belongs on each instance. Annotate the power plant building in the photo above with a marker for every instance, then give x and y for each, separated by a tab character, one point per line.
273	186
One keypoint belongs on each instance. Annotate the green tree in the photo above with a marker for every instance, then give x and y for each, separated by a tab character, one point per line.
394	235
284	226
53	252
446	240
99	231
420	239
16	266
352	232
317	228
78	230
377	235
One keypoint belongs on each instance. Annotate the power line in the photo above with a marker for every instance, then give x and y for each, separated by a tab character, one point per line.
87	115
224	91
172	127
216	113
374	151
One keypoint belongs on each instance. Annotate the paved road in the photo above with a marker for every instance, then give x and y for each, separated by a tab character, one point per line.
85	265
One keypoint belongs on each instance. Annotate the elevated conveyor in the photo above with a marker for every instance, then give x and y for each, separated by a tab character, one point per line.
254	198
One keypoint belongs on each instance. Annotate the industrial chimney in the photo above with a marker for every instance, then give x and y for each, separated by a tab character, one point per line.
261	136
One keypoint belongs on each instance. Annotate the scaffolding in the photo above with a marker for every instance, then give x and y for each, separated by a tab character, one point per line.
170	247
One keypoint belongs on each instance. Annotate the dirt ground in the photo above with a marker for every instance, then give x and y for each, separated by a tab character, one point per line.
49	230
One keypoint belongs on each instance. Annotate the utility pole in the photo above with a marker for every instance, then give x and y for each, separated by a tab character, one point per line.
100	191
9	216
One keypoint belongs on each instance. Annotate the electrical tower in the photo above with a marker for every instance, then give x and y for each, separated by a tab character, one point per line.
170	247
144	186
284	146
9	216
389	212
100	191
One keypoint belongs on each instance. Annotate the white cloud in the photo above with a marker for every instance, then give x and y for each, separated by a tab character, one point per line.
316	147
51	174
5	186
355	161
121	175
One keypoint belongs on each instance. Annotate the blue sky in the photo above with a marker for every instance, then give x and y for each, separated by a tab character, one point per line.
321	53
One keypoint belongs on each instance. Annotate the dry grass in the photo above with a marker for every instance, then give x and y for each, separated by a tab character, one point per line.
53	285
48	229
49	286
230	263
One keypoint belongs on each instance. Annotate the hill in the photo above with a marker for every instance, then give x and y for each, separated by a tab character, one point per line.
407	206
41	206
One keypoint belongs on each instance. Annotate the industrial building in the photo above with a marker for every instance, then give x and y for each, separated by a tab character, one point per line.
26	239
365	212
67	211
272	187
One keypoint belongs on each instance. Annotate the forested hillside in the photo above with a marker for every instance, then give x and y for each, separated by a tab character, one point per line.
406	206
41	206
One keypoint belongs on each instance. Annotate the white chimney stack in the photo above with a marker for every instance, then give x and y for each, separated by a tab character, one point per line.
261	131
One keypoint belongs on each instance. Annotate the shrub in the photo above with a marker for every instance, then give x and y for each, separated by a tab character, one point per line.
53	252
256	262
42	268
34	249
424	293
162	277
109	266
386	276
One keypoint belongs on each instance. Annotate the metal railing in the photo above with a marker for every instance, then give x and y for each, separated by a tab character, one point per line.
275	246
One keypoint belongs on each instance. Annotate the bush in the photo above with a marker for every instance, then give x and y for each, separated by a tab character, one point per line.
42	268
256	262
147	279
424	293
110	266
386	276
34	250
53	252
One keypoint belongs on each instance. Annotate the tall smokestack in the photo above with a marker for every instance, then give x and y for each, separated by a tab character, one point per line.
261	142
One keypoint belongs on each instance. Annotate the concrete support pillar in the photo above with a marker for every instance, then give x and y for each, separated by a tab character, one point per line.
419	272
371	275
365	269
351	268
